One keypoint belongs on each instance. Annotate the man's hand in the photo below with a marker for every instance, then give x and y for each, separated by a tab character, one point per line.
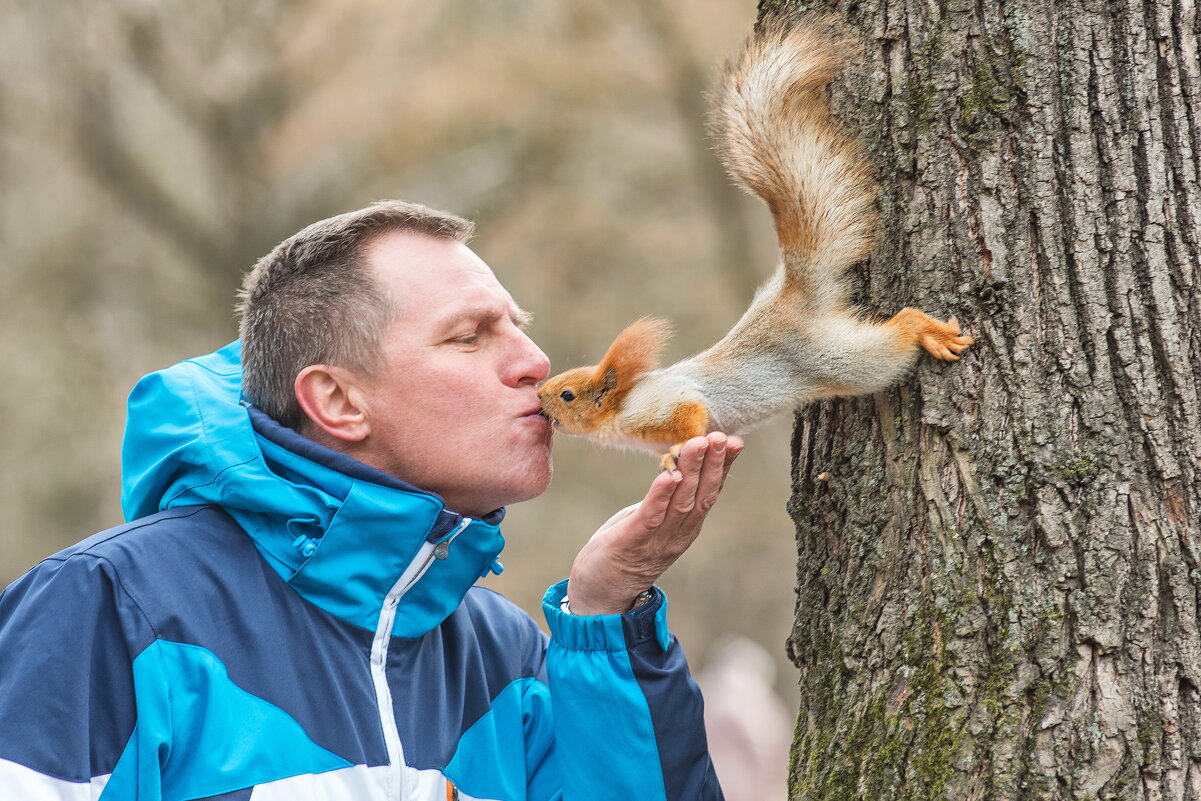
636	546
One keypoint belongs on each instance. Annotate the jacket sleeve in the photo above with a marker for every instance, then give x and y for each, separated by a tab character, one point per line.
628	718
68	635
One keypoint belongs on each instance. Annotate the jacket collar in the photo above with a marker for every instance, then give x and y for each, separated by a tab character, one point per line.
339	532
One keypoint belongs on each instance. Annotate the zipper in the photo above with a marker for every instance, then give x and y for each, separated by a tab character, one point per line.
420	565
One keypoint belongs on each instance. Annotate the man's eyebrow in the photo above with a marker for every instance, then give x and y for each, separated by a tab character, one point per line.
521	318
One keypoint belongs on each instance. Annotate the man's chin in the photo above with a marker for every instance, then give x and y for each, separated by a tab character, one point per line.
536	482
524	486
539	484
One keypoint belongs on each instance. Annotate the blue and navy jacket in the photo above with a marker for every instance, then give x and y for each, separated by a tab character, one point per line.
280	621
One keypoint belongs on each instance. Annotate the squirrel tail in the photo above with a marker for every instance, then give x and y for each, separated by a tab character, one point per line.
778	139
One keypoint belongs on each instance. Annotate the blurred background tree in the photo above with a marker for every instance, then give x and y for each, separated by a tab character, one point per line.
151	151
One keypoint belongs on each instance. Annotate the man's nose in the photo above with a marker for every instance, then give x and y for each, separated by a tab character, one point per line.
531	364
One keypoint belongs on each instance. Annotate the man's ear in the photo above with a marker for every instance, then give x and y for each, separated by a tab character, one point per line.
330	397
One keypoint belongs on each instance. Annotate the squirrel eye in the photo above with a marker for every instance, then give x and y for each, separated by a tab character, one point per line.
567	395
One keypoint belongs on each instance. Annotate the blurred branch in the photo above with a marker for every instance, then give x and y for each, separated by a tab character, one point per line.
109	159
234	128
229	127
146	49
542	148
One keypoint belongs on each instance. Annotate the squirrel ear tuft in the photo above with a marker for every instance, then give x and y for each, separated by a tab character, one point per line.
608	381
635	351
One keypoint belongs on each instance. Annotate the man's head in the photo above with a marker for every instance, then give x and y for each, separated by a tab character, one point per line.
436	384
312	300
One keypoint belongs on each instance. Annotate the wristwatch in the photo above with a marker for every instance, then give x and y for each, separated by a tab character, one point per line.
644	598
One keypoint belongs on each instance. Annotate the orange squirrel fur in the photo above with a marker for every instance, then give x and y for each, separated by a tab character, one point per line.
800	340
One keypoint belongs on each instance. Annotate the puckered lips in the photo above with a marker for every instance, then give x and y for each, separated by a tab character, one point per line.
538	414
547	414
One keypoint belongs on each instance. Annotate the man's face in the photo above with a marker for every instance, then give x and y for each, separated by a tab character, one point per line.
453	408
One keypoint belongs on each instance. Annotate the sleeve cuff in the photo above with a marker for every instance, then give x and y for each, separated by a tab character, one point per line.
646	623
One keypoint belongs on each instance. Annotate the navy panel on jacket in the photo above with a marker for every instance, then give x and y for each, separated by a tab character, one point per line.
199	577
452	674
71	606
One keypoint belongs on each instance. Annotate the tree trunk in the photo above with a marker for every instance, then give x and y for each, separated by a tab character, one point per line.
998	579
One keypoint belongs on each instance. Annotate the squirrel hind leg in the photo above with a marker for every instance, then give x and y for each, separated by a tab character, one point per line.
943	341
859	358
687	420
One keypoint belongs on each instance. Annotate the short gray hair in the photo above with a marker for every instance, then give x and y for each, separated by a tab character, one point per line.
312	300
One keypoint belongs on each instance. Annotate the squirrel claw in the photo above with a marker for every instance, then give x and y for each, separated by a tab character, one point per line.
669	460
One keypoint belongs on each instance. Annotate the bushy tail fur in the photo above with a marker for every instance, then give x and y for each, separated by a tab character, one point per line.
779	141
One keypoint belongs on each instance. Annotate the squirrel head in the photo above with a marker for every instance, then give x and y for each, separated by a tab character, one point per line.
583	399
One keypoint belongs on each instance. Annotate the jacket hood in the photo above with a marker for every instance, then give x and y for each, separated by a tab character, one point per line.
341	533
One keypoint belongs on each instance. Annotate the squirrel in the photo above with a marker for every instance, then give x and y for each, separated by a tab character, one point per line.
800	340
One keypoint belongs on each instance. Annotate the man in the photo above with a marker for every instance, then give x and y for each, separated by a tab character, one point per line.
291	612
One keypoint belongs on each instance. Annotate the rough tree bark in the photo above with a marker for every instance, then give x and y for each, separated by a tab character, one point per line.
998	577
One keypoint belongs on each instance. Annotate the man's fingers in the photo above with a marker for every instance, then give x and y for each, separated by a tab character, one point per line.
640	542
734	446
712	474
691	464
691	489
653	509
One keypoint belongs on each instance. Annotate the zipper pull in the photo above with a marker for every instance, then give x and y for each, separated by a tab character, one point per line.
442	549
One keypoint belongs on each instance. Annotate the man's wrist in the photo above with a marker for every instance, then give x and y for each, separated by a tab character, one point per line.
643	598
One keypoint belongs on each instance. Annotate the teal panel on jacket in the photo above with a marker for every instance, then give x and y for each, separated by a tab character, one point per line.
198	734
488	760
